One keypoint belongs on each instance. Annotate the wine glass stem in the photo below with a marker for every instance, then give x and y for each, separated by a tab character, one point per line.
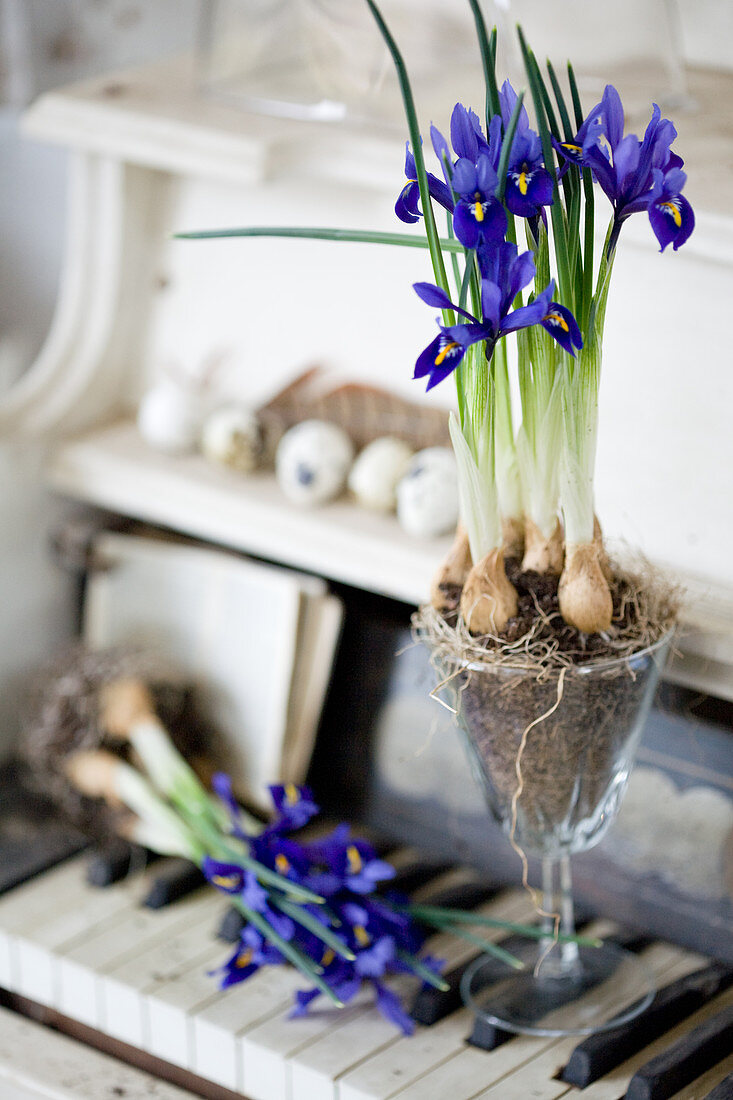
557	899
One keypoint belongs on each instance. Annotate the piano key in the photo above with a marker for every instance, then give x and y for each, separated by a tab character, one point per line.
488	1036
31	905
599	1053
218	1028
116	861
264	1051
231	925
355	1067
691	1056
723	1090
124	985
179	878
526	1066
80	967
615	1083
37	1063
702	1088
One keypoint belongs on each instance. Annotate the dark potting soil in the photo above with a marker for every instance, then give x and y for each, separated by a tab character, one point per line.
537	597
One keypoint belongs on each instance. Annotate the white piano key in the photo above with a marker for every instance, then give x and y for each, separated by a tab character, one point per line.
170	1005
67	922
315	1069
123	985
536	1073
39	1064
218	1027
264	1051
410	1062
81	967
28	905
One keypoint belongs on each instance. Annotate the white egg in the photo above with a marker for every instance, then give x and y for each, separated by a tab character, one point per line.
427	496
374	476
231	435
312	462
169	416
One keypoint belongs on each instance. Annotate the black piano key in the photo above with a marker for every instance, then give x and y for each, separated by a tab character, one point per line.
413	876
599	1054
463	895
178	878
231	926
685	1060
432	1005
723	1090
116	861
487	1036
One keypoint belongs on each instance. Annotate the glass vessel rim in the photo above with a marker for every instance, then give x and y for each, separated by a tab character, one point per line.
606	665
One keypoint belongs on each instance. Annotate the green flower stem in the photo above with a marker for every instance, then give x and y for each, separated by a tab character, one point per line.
302	916
423	971
488	60
300	961
506	147
433	913
488	946
408	100
322	233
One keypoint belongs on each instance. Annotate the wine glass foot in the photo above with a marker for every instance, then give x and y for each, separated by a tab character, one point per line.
604	988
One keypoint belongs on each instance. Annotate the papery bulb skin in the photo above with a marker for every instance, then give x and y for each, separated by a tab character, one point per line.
489	600
512	536
584	595
542	554
448	581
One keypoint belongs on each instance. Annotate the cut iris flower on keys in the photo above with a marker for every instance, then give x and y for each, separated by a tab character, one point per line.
310	902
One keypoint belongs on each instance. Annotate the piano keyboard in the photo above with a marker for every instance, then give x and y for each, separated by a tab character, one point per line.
95	956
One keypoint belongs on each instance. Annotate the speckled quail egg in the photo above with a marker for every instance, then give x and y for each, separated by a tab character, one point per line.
427	496
231	436
312	462
374	476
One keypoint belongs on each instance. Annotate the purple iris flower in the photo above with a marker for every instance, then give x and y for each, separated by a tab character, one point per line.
295	806
504	274
478	215
670	213
528	184
407	207
635	175
349	863
222	787
227	877
253	951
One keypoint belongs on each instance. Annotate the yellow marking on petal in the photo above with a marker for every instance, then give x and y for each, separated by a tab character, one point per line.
573	148
673	209
361	935
445	351
328	956
478	211
243	959
522	183
557	319
291	794
355	863
282	863
226	882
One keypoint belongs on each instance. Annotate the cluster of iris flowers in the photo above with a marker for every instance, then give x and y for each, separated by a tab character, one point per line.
635	176
349	933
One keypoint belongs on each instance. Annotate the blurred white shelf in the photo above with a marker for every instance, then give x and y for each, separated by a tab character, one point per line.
113	468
